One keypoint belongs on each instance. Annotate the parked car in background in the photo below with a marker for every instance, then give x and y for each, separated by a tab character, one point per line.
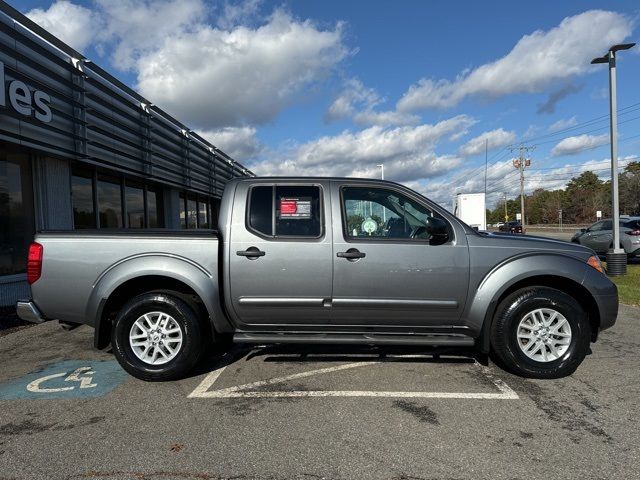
599	236
511	227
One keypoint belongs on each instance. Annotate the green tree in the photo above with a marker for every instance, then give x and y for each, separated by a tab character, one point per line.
629	189
585	195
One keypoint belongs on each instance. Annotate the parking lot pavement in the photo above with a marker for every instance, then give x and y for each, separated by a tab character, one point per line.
68	411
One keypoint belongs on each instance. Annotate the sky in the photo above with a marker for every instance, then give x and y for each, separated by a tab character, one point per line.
427	89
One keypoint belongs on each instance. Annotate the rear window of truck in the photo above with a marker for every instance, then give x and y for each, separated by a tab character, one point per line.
285	211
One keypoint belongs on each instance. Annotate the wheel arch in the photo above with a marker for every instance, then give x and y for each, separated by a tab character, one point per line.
557	282
191	283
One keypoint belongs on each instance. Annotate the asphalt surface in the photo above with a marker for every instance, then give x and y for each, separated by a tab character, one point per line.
446	418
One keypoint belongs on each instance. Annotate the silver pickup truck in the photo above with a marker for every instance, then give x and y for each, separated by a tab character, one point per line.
323	260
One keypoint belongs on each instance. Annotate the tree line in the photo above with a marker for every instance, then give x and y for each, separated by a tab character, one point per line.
583	196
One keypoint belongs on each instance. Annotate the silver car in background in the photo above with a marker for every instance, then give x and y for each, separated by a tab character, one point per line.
599	236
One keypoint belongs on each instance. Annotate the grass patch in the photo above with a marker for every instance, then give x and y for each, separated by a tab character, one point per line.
629	285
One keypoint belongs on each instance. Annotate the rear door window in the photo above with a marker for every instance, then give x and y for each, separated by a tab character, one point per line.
283	211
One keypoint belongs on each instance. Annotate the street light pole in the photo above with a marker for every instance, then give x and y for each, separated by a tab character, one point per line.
384	211
616	256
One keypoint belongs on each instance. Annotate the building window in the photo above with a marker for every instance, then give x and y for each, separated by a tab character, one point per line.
192	212
203	215
195	211
82	198
16	209
109	202
152	209
119	201
134	200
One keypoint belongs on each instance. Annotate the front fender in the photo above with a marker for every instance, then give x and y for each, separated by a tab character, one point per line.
202	281
514	270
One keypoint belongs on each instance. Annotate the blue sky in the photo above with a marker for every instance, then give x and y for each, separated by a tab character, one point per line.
336	88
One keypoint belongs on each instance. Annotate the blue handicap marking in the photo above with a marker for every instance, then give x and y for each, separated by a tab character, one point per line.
68	379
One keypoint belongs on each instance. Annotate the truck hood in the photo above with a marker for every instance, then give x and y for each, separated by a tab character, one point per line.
532	242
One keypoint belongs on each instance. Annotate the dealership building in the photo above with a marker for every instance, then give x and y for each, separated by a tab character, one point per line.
81	150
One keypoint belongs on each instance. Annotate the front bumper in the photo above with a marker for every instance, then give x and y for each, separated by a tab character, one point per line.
608	308
28	311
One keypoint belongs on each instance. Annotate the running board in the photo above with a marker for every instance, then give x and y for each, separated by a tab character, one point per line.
350	339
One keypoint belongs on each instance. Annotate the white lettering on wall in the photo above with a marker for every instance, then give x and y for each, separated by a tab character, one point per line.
22	99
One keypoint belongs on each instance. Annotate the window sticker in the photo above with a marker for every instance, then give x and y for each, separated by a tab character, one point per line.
298	208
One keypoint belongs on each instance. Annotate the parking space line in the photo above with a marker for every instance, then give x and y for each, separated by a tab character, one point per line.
245	391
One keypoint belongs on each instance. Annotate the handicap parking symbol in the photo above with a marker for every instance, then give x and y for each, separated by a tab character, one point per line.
67	379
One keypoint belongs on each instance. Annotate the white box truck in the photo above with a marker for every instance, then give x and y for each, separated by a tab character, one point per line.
470	208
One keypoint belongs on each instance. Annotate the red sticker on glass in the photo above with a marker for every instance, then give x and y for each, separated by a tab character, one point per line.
288	207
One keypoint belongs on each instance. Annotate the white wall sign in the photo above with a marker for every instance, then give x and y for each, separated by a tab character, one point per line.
23	100
598	214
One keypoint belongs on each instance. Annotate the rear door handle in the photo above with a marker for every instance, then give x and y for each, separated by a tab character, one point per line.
251	253
352	254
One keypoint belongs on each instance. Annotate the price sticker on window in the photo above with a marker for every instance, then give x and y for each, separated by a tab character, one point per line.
295	208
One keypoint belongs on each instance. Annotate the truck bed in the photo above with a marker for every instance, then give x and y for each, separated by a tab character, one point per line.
83	262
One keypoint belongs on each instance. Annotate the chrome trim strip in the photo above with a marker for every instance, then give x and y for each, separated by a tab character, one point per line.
392	303
280	302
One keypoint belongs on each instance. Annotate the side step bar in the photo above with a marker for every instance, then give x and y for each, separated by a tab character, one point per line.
351	339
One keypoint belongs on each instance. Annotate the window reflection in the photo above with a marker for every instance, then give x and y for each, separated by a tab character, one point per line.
16	210
203	221
82	199
135	206
152	209
109	203
192	213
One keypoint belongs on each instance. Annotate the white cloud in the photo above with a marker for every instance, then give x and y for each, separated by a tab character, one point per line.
534	63
496	138
217	78
563	123
408	153
359	103
135	28
237	13
240	143
71	23
212	76
577	144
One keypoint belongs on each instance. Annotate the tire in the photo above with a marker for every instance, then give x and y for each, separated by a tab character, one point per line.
174	359
514	317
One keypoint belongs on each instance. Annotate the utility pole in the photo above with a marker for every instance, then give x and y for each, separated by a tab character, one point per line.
505	207
486	151
521	163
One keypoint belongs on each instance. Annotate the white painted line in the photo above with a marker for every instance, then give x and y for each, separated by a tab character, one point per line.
355	393
245	391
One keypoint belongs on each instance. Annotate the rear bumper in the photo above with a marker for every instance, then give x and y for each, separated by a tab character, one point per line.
28	311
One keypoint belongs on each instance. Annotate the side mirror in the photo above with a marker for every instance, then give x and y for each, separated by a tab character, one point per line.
438	230
582	230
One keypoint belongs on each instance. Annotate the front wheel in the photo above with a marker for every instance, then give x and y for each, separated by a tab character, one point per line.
540	332
157	336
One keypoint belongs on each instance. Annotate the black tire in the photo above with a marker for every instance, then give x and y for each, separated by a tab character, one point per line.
504	343
192	340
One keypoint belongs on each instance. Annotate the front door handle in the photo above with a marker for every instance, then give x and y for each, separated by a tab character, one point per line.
352	254
251	253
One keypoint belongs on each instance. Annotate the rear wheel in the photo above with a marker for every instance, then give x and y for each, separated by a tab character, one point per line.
540	332
157	336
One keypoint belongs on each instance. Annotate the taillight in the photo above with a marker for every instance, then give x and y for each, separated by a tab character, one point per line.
34	263
633	232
